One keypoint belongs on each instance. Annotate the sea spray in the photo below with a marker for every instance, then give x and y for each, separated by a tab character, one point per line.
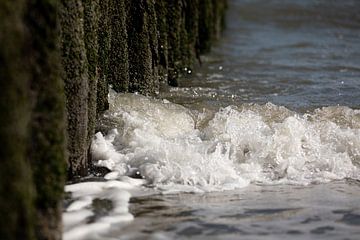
172	146
172	149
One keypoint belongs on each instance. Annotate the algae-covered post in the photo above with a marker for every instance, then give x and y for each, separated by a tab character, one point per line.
57	59
32	131
192	31
162	31
142	42
103	33
76	76
132	45
118	74
16	187
91	21
47	124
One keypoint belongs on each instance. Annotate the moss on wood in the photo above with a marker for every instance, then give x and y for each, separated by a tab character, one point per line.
118	75
206	25
75	77
162	32
50	87
192	30
46	145
174	40
91	25
103	53
16	187
142	47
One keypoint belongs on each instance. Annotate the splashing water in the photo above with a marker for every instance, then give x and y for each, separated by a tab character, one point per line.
174	149
299	54
177	149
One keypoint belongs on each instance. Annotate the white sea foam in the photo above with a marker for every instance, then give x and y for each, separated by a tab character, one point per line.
80	220
176	149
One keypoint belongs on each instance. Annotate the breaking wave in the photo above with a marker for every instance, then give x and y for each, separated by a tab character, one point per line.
177	149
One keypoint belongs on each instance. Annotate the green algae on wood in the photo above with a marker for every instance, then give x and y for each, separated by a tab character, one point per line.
75	77
142	47
16	186
104	35
132	45
206	25
162	31
46	147
174	40
118	74
91	25
192	31
33	121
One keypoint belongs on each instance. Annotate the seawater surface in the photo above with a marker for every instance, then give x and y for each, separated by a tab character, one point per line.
260	142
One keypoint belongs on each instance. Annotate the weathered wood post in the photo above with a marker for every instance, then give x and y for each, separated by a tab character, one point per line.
56	61
16	186
32	131
104	35
47	145
118	75
91	25
142	43
75	77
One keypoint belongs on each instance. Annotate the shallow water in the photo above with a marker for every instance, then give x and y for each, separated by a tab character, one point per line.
256	212
261	142
298	54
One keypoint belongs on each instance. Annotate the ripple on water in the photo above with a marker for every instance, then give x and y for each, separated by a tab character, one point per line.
322	230
351	219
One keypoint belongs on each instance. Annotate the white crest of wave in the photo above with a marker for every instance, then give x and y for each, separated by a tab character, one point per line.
171	145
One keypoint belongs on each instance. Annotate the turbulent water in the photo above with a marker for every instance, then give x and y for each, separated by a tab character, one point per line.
261	142
174	148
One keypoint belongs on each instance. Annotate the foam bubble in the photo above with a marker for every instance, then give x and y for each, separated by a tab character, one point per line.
80	220
173	147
